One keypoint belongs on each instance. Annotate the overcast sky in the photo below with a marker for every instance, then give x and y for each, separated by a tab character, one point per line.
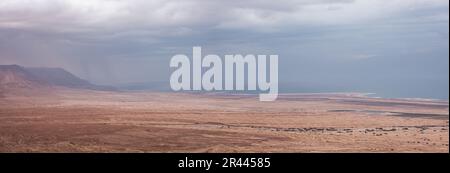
396	48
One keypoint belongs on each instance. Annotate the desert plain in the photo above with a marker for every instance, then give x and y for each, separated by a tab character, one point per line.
71	120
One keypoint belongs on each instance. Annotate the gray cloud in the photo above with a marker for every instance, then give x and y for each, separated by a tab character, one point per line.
160	15
324	45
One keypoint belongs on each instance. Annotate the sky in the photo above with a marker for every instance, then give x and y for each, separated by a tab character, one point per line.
395	48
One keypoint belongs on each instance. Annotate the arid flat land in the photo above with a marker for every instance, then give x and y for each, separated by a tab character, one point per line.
96	121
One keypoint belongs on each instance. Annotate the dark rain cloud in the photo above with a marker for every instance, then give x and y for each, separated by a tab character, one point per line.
377	46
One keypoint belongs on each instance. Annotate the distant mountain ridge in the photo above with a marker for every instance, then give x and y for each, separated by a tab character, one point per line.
13	76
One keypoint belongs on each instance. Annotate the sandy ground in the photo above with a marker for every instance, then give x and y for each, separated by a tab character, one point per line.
94	121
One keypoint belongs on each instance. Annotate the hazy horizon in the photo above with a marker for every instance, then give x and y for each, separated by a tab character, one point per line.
393	48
